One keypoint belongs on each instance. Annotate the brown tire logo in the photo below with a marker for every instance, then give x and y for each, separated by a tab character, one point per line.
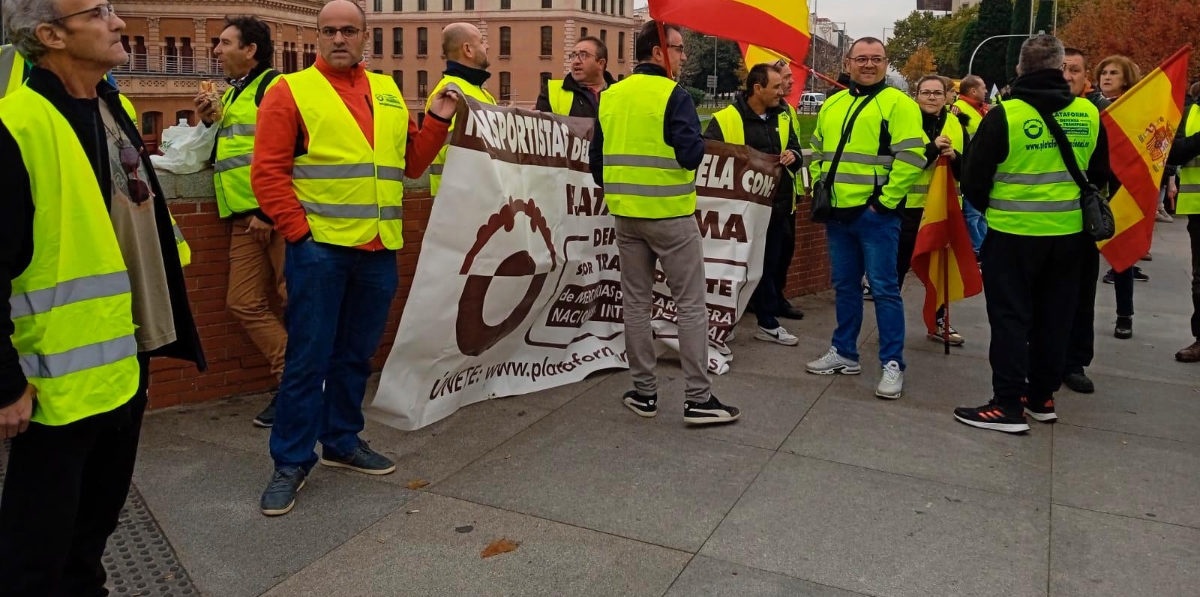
473	334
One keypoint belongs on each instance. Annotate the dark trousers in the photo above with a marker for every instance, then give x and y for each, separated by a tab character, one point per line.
1032	289
910	224
1123	286
768	300
63	493
1193	228
1082	347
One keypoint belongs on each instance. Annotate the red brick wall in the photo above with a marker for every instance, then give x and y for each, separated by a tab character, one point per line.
235	365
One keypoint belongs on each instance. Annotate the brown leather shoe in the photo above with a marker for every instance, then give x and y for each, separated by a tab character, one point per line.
1190	354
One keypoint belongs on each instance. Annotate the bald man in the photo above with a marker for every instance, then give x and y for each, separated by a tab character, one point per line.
466	68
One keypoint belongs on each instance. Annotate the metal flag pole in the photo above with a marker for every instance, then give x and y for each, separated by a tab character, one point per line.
946	299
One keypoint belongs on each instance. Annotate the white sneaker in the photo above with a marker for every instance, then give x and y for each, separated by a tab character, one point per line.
891	384
722	349
833	363
778	335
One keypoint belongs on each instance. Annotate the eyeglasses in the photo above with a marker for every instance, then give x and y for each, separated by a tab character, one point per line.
863	60
102	12
347	32
580	55
928	93
139	191
675	47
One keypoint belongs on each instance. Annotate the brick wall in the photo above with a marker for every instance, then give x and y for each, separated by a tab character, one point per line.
235	365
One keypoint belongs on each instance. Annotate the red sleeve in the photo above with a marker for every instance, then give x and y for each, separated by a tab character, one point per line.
423	146
279	124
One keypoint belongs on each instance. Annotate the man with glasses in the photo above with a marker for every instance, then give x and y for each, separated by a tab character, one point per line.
92	288
333	146
882	155
578	94
645	150
466	71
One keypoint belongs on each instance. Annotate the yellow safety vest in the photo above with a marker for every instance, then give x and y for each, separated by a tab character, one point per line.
475	91
350	191
733	130
953	129
72	307
1189	174
1034	194
235	149
642	178
973	116
866	169
560	100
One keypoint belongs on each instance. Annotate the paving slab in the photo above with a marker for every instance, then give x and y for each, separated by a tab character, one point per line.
434	547
206	496
1142	477
708	577
1101	555
663	488
1161	410
883	534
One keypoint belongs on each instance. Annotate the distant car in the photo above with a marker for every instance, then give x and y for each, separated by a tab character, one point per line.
811	102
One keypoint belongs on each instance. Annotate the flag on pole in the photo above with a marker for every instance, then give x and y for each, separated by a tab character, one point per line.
781	25
1141	126
753	55
943	258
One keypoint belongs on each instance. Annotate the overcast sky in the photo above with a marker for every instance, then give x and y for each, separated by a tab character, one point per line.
862	17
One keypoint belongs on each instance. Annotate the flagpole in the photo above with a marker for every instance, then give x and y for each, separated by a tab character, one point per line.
666	49
946	299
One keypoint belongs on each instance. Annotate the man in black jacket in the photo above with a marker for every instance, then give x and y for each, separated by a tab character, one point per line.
578	94
760	121
66	483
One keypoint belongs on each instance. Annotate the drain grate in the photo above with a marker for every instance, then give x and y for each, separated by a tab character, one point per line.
140	560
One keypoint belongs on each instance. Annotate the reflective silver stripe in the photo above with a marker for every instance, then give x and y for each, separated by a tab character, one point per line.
870	160
1193	164
389	173
1189	188
868	179
642	161
646	190
333	171
237	161
368	211
1032	179
79	359
912	160
391	212
436	169
919	189
178	234
236	130
907	144
818	156
65	293
815	141
1034	206
8	59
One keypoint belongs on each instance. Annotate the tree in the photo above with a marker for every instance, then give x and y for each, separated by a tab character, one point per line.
1020	25
947	38
912	32
1147	31
995	18
941	34
699	66
921	63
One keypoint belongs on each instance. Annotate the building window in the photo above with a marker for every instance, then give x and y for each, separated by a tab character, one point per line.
377	41
378	5
506	41
505	86
604	35
583	32
545	78
547	3
621	46
603	5
187	116
310	55
171	56
582	4
622	7
398	77
397	5
547	41
422	41
447	5
187	55
469	4
422	84
422	5
151	123
139	53
593	5
398	41
505	4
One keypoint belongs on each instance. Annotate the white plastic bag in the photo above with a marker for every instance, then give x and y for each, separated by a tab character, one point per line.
186	149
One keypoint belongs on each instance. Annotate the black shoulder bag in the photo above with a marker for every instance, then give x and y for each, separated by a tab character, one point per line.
1098	220
822	202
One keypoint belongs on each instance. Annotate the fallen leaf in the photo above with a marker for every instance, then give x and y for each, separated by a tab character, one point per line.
417	484
498	547
464	529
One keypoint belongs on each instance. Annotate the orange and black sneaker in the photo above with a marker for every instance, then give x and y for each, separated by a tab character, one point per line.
1041	410
992	417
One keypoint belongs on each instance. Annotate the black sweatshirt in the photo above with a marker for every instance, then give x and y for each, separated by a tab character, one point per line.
762	134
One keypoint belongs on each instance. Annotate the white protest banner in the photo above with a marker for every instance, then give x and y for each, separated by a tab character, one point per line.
518	285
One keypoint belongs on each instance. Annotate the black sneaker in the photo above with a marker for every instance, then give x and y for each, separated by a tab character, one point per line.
644	406
1139	276
1124	328
1079	383
1109	278
991	417
280	496
708	413
1040	410
790	312
363	459
867	296
266	418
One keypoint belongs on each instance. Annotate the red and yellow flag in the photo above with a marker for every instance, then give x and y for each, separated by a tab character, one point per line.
753	55
1141	127
781	25
943	258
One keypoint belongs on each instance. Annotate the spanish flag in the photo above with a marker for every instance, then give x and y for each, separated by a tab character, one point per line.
753	55
1141	126
781	25
943	258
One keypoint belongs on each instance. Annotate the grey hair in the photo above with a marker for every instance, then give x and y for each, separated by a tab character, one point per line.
1040	52
21	20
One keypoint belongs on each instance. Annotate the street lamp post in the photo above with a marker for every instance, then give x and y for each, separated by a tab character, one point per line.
971	64
812	78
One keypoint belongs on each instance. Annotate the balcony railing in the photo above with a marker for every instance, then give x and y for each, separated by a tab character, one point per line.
181	66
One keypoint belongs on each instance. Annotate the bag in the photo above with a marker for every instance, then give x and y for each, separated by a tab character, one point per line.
1098	220
822	190
186	149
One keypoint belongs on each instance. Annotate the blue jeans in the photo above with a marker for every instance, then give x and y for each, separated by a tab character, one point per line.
976	225
338	302
868	244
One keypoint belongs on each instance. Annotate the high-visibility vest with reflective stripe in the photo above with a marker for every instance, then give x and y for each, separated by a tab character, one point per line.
1189	174
560	99
350	192
642	178
733	130
475	91
953	129
973	115
12	69
1034	193
129	109
235	148
71	308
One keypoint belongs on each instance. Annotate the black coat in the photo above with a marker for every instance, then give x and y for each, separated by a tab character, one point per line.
763	135
585	105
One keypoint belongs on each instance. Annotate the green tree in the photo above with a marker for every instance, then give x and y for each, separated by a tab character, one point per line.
995	18
947	38
917	29
1020	25
699	65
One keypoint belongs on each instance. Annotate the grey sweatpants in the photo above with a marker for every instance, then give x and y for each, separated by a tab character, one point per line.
676	243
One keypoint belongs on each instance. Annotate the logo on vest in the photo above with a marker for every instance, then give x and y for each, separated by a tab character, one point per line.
389	100
1034	128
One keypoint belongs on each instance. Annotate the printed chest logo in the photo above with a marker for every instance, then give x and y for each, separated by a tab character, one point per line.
1034	128
389	100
